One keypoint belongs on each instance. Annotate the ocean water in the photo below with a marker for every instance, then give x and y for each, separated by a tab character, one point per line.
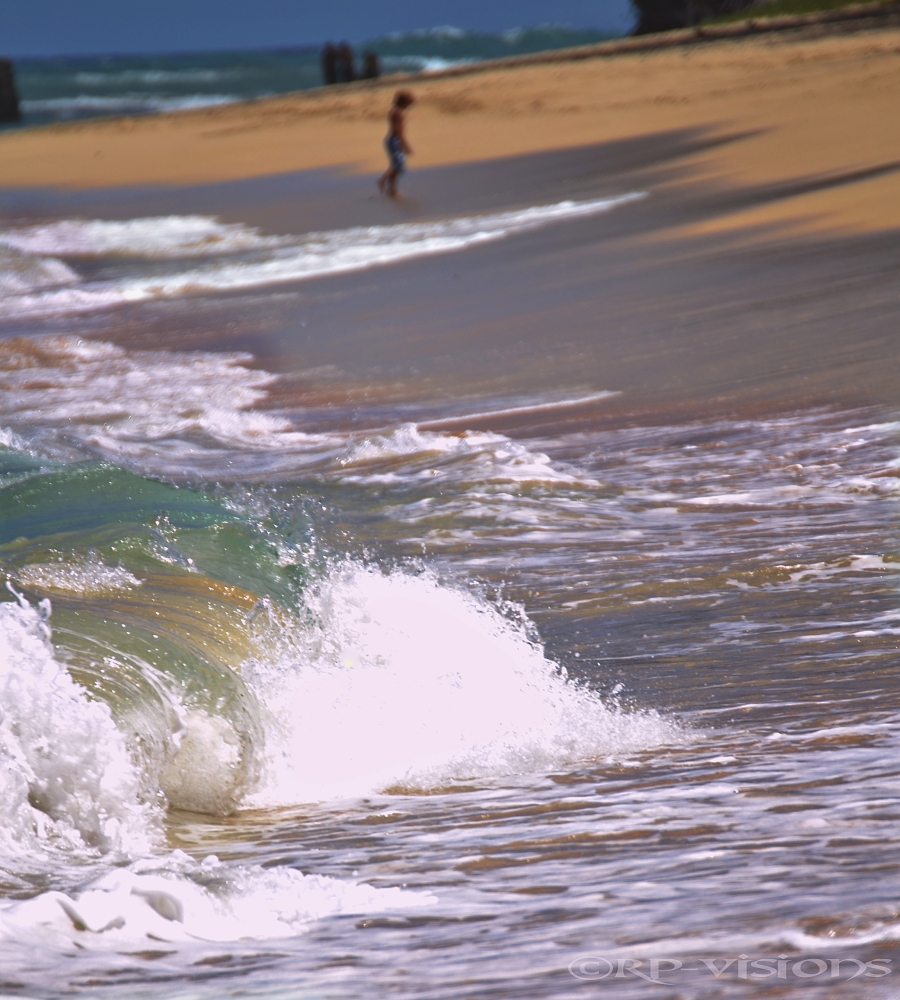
64	88
309	693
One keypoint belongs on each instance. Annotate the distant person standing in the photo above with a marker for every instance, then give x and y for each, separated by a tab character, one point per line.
346	70
329	64
395	143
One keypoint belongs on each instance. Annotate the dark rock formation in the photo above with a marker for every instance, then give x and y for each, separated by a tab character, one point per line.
9	98
371	66
329	64
346	70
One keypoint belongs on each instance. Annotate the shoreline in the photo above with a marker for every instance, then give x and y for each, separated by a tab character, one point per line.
805	109
648	300
842	20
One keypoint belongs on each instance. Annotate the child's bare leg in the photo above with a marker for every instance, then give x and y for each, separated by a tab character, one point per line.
388	182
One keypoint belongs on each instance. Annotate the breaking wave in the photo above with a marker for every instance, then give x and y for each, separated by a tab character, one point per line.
196	657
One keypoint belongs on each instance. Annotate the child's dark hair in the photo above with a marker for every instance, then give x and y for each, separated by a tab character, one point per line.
403	99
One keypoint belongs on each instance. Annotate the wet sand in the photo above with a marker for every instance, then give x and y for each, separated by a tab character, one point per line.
805	106
759	273
654	301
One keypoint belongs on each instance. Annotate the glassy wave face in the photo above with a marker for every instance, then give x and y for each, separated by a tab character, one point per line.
66	88
173	256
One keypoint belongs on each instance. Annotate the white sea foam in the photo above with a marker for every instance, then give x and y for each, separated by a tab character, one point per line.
164	900
9	439
121	104
850	564
276	259
122	401
421	64
68	783
164	411
403	681
160	236
22	273
477	455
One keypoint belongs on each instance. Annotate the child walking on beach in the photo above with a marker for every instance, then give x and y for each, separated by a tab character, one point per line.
395	143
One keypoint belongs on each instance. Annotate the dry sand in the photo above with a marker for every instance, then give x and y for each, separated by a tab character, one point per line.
809	107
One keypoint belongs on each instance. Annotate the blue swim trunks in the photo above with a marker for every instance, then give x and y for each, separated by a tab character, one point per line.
395	153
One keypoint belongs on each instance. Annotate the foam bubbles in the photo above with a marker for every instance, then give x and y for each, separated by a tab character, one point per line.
165	900
490	458
21	273
205	774
69	783
121	401
159	236
400	681
85	576
166	412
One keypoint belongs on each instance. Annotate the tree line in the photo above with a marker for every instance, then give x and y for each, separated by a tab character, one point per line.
664	15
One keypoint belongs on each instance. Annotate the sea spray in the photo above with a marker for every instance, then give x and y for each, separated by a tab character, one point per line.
150	608
224	657
397	681
71	801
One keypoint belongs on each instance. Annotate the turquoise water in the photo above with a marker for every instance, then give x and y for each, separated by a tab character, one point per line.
63	88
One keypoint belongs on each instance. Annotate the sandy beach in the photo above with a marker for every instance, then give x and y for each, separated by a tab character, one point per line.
756	271
805	107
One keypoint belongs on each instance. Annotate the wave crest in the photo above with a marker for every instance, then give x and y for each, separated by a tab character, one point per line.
69	783
397	681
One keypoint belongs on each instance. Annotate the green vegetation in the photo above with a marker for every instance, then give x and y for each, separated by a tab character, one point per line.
664	15
782	8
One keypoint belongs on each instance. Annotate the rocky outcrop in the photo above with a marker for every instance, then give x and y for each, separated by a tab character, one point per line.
9	99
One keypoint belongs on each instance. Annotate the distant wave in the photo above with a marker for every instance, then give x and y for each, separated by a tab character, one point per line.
21	273
55	89
88	104
420	64
454	45
154	76
239	257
